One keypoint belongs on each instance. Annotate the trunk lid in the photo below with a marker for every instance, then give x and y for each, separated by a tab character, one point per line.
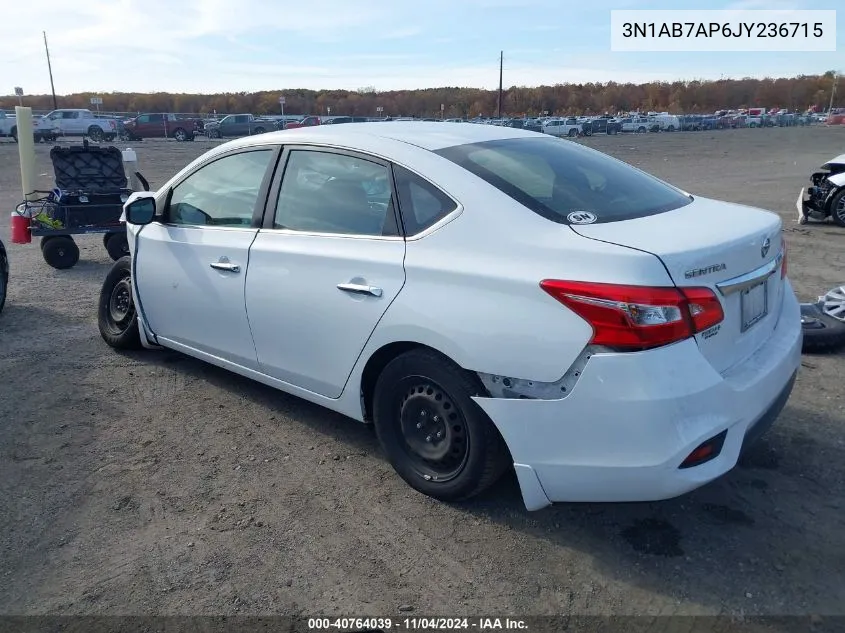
734	250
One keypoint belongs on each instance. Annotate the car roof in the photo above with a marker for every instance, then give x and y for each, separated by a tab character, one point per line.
427	135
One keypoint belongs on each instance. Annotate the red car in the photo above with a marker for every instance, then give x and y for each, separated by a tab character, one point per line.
308	121
157	125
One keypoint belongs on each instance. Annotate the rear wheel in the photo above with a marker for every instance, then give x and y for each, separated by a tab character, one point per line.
15	134
117	245
180	135
572	132
435	437
671	128
60	252
641	130
95	134
117	318
259	130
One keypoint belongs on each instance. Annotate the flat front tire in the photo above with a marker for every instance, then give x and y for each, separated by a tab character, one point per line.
435	437
116	316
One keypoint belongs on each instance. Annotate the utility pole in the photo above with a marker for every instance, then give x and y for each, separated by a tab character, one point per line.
50	69
501	63
833	91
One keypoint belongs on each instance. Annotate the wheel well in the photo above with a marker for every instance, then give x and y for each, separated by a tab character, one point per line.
379	360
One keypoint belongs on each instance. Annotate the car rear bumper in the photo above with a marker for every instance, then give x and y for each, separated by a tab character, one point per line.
631	420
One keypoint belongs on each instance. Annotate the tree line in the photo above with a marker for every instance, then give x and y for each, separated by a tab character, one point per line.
794	93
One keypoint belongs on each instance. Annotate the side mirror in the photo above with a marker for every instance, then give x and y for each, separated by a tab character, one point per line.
140	211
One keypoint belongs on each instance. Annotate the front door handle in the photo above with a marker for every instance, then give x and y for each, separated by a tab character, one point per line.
361	289
227	266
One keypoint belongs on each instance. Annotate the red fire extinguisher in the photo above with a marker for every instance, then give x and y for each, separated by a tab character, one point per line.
20	227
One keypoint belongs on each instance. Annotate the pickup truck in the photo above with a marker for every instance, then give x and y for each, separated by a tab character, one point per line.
309	121
157	125
76	122
563	127
8	125
239	125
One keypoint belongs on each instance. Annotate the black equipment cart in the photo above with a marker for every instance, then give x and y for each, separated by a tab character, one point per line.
91	188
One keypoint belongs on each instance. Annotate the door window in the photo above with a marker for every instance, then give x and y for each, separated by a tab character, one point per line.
325	192
221	193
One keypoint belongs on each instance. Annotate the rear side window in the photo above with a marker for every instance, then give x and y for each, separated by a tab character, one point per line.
421	203
566	182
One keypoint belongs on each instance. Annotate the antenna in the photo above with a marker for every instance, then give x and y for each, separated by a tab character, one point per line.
50	69
501	62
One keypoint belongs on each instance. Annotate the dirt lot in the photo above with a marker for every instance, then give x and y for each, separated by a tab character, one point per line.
153	483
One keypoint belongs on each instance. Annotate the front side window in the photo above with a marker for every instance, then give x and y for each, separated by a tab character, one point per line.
144	118
221	193
325	192
556	178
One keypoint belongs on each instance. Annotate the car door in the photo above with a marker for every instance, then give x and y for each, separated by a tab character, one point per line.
142	126
72	122
325	266
157	126
191	263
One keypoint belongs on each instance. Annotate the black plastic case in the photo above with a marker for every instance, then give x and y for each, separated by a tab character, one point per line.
92	185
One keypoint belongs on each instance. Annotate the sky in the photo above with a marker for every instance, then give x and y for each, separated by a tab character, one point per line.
208	46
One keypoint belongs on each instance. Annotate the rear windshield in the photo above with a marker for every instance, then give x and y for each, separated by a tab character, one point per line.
566	182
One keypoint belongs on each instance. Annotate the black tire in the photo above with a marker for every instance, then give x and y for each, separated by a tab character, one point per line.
46	239
671	128
214	134
837	208
259	130
613	131
109	138
180	134
420	394
95	134
4	276
641	130
116	316
117	245
822	333
15	134
572	133
61	252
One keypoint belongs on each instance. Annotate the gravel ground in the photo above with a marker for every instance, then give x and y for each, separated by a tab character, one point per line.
151	483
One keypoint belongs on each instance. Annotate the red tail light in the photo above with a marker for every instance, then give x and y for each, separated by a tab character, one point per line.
638	317
783	262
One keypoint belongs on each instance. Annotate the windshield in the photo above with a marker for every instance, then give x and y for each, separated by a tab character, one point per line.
556	178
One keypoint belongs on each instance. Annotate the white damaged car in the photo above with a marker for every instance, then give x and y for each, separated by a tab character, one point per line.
826	196
488	297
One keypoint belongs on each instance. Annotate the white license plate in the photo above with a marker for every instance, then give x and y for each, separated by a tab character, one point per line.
755	304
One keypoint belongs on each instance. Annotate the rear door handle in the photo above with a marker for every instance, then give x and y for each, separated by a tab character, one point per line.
227	266
361	289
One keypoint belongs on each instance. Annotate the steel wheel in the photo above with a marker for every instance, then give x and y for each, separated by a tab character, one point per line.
833	303
434	432
121	309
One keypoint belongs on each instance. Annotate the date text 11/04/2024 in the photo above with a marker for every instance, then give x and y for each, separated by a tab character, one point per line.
417	624
723	29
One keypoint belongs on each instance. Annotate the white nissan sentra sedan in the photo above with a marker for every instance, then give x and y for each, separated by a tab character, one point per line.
487	297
